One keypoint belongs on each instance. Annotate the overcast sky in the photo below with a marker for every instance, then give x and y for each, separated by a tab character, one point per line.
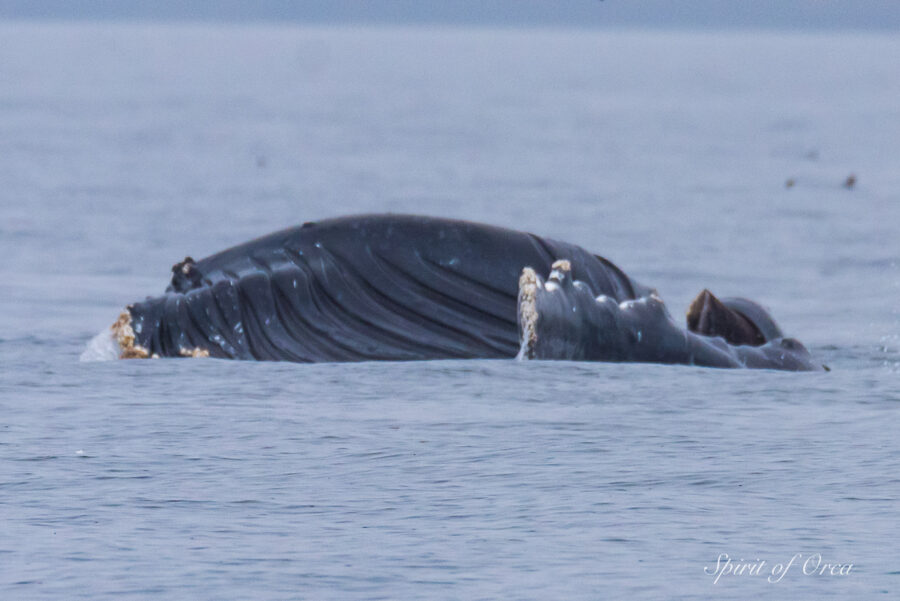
768	14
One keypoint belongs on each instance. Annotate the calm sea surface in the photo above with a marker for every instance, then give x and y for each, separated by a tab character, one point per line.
125	148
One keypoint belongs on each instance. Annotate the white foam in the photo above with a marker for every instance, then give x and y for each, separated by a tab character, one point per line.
102	347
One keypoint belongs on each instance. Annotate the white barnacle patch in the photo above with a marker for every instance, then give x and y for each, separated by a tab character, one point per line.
124	335
560	270
562	265
195	352
528	315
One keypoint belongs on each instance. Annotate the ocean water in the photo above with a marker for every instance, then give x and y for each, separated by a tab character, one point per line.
124	148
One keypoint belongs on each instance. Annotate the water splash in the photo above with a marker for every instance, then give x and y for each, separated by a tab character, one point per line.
102	347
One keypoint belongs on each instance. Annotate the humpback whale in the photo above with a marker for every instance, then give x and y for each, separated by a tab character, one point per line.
403	287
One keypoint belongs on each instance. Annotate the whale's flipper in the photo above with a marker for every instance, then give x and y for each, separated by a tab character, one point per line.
560	318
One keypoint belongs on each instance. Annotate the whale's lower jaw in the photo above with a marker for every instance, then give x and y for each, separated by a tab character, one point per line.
363	288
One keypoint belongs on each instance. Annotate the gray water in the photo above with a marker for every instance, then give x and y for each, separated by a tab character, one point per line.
125	148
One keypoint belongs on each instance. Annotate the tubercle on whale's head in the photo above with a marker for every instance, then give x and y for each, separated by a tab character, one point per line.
185	276
124	335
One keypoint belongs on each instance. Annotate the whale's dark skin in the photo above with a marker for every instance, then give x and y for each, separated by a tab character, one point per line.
562	319
373	287
360	288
